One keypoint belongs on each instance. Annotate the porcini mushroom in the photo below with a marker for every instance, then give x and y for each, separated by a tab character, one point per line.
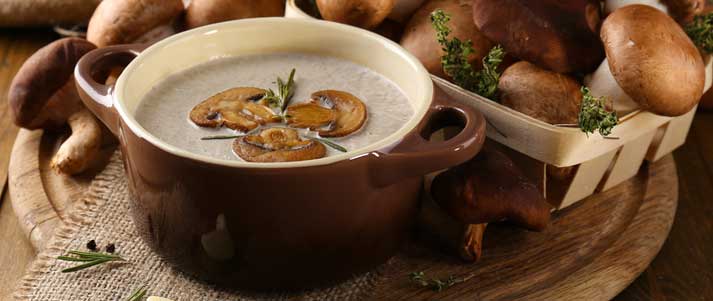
237	108
681	10
126	21
204	12
350	111
491	188
650	63
545	95
277	145
419	37
43	95
361	13
557	35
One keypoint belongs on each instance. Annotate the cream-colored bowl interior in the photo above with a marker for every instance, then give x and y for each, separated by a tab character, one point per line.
265	35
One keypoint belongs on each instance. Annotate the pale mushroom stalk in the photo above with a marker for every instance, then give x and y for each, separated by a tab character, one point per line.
681	10
612	5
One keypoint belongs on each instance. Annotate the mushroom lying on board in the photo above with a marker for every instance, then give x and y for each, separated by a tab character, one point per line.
131	21
277	145
237	108
350	112
650	63
43	95
491	188
361	13
681	10
419	37
557	35
204	12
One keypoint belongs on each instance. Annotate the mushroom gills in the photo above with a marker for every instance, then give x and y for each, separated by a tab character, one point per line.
350	112
277	144
238	109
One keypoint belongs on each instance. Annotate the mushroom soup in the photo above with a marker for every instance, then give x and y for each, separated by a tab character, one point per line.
335	105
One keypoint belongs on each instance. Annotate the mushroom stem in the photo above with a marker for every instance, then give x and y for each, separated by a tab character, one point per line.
78	151
612	5
602	83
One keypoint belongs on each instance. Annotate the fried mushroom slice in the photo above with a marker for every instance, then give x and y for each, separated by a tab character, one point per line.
351	112
237	108
310	115
277	145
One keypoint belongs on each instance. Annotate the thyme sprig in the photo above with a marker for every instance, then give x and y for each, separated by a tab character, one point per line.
435	284
285	90
88	259
455	60
701	32
594	116
138	294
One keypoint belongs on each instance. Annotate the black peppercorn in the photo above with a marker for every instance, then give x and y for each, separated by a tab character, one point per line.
110	248
92	245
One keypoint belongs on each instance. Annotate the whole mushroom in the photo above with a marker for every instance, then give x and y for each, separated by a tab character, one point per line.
403	9
204	12
43	95
650	63
419	37
557	35
361	13
129	21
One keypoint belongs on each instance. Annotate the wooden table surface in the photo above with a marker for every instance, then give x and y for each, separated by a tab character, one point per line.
683	270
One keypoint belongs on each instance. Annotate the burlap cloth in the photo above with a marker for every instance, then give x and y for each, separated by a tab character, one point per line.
103	215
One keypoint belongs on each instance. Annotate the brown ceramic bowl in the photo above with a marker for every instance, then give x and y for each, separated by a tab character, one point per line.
275	225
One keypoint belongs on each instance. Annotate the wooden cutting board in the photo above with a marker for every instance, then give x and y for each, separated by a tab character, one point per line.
591	251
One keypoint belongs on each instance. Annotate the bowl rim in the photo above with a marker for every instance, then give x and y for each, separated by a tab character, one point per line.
382	145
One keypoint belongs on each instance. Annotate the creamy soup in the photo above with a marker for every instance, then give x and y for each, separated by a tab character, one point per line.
164	110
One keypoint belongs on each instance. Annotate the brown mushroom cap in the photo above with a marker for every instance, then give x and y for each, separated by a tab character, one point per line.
351	112
277	145
124	21
419	37
653	60
545	95
683	11
553	34
204	12
235	108
41	80
491	188
361	13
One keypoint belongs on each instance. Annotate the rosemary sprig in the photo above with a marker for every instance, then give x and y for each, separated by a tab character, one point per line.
331	144
594	116
284	93
138	294
455	60
435	284
222	137
701	31
89	259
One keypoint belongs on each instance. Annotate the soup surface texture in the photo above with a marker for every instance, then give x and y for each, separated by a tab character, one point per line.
164	110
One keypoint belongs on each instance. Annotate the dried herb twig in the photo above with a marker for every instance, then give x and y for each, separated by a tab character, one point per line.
701	31
331	144
455	60
89	259
594	116
138	294
435	284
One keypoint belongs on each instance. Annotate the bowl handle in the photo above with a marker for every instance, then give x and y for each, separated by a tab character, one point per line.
415	155
89	75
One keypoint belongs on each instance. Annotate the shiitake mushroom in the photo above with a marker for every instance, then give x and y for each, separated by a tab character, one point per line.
361	13
238	109
277	144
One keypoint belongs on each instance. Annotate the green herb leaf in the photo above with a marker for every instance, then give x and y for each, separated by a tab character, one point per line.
435	284
455	60
138	294
284	92
594	116
331	144
701	32
90	259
